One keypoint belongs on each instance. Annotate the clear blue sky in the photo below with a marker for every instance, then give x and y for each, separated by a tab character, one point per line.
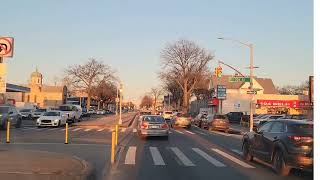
128	35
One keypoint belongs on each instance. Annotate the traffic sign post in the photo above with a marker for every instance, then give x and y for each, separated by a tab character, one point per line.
239	79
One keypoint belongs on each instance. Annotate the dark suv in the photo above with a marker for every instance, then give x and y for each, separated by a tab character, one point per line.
234	117
284	143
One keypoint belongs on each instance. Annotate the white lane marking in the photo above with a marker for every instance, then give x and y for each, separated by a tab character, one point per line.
123	129
170	132
237	151
77	129
241	163
178	131
156	156
189	132
183	158
208	158
134	130
131	155
87	130
99	130
201	133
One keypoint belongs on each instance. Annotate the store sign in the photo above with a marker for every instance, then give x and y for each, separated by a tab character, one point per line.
221	92
284	103
213	102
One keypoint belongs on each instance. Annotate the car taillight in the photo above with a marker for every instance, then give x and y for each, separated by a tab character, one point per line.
300	138
165	126
144	125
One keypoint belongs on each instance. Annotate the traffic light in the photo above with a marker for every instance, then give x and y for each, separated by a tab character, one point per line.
218	71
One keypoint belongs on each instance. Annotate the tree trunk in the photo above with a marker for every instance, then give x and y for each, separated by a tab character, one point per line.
185	96
89	100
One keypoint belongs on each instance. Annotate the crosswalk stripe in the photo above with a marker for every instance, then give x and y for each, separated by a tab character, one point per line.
131	155
208	158
134	130
100	129
123	129
77	129
237	151
241	163
87	130
156	156
178	131
189	132
183	158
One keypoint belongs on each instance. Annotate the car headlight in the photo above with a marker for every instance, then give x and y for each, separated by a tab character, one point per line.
38	120
56	120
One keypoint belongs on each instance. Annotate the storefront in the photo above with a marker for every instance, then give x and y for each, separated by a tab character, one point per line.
264	106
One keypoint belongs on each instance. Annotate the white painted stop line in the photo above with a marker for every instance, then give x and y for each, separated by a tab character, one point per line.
241	163
178	131
77	129
100	129
183	158
156	156
131	155
208	157
87	130
189	132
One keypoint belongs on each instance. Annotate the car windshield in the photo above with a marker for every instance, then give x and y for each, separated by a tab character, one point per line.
25	110
41	110
157	119
302	128
65	108
4	109
52	114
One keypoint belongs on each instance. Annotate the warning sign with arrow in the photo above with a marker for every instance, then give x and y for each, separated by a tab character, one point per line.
6	46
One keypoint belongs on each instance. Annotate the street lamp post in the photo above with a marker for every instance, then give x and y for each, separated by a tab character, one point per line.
120	102
251	67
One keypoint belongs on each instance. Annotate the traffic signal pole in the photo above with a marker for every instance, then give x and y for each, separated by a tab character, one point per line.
251	87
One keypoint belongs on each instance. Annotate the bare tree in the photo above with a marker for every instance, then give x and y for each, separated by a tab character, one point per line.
185	63
146	102
155	93
89	75
105	93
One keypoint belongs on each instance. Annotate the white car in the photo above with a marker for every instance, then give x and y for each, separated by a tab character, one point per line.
52	119
101	112
73	112
264	118
38	113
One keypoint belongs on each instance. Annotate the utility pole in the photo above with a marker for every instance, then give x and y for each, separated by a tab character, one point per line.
120	102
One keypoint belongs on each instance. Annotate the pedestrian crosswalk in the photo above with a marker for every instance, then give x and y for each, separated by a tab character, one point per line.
71	129
187	157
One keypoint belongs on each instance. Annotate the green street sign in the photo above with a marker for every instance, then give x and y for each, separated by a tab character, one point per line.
239	79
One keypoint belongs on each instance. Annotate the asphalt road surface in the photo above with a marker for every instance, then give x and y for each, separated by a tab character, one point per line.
193	154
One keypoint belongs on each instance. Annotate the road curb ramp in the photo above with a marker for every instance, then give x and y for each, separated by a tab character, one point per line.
25	164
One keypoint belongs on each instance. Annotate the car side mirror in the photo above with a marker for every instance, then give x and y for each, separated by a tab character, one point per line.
255	129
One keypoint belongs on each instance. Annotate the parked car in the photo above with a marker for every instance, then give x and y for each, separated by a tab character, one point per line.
52	119
9	113
234	117
101	112
181	120
26	113
73	112
85	112
91	112
218	122
145	113
285	143
152	125
266	118
197	121
38	112
167	114
295	116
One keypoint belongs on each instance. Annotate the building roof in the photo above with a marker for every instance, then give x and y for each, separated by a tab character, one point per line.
16	88
266	83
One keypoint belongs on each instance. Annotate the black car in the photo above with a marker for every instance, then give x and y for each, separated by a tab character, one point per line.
234	117
284	143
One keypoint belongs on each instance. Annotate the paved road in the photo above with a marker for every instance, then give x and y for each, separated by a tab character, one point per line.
190	154
90	143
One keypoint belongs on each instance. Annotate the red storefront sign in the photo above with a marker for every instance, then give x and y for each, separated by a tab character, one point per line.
284	103
213	102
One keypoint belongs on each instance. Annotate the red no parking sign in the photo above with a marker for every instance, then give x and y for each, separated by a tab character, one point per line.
6	46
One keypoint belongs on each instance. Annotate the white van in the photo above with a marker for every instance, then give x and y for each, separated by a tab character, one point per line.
74	112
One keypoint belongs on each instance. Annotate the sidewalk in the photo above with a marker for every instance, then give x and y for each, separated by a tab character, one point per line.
41	165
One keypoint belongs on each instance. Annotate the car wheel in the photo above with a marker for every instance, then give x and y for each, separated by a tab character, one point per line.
189	126
59	124
246	152
18	124
279	165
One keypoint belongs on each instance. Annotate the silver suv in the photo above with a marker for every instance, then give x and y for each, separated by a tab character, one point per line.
9	113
